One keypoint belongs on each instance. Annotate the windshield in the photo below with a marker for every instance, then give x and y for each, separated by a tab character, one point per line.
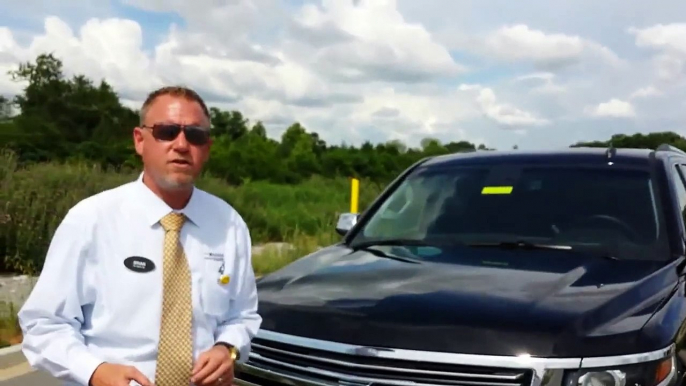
614	210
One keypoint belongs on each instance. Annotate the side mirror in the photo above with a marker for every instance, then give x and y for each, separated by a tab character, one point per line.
345	222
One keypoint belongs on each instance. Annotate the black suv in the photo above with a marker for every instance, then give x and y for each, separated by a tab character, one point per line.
560	268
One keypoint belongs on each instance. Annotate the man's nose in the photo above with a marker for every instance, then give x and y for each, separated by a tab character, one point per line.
180	143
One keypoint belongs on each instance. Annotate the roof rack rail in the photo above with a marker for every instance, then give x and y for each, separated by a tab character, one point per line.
668	147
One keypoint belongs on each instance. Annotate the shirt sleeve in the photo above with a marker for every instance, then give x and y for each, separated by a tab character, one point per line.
52	316
243	322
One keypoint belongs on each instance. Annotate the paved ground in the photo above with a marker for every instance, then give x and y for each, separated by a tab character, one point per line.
34	378
15	371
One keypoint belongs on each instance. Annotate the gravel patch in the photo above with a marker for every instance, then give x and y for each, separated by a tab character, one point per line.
277	247
15	289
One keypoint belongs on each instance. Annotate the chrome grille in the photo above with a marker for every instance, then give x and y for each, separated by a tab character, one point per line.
274	363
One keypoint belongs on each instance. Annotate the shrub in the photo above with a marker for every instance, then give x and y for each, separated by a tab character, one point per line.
34	199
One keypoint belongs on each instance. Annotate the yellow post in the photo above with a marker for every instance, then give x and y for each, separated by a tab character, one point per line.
354	195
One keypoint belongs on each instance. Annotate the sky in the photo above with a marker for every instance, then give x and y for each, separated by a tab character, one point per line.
535	74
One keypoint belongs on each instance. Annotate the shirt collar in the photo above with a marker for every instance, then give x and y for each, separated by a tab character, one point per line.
154	208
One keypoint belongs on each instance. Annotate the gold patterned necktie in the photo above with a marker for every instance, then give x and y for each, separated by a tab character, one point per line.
175	352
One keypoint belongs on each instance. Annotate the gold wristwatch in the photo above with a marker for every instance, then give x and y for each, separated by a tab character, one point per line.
233	351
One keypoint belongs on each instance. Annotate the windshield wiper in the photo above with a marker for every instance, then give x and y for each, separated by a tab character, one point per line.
531	246
369	247
398	242
520	245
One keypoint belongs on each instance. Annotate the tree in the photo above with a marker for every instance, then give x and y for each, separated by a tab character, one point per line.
5	109
64	118
76	118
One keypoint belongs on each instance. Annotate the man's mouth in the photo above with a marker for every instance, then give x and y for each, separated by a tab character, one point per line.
180	162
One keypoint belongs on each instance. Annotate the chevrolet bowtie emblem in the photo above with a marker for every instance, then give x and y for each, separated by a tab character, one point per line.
366	351
343	382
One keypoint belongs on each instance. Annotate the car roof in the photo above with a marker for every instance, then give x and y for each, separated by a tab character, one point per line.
586	155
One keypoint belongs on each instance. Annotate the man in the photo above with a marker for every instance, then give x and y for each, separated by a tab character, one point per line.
150	282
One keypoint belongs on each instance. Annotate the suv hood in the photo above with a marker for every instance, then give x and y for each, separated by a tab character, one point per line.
468	300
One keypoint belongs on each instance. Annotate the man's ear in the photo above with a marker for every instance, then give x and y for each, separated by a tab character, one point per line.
138	140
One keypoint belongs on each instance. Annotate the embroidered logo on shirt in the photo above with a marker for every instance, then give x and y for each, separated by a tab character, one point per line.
214	256
139	264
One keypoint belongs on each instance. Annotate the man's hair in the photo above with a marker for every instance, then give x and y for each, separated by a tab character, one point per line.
176	91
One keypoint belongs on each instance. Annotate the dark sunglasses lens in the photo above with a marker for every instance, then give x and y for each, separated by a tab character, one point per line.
196	135
166	132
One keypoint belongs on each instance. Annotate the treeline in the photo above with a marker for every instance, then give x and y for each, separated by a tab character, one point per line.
77	119
64	119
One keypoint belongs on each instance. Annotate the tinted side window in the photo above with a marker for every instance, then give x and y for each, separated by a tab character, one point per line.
680	188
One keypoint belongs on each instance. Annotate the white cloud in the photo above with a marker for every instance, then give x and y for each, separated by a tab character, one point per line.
101	49
356	70
502	113
519	42
614	108
545	81
668	41
515	43
666	37
373	42
646	92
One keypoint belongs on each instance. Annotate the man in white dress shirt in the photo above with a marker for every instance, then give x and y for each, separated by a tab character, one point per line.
151	282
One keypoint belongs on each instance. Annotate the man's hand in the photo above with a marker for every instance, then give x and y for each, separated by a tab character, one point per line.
110	374
213	364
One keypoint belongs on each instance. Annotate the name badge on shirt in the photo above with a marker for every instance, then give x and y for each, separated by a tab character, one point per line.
139	264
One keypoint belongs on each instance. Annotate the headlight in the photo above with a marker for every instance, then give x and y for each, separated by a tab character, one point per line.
652	373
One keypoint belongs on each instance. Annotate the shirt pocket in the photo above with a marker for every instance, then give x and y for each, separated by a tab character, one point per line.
217	285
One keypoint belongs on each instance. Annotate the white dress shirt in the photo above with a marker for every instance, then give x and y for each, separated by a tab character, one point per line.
88	307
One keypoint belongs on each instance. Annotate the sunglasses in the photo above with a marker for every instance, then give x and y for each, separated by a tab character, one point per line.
195	135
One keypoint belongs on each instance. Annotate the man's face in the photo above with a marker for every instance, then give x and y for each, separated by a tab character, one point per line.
172	164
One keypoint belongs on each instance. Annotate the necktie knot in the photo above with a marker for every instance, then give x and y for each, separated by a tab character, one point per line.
173	222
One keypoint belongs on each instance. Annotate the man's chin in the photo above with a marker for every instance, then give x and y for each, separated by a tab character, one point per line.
178	181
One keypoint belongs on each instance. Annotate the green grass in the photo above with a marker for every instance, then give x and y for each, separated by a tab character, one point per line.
33	200
10	332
